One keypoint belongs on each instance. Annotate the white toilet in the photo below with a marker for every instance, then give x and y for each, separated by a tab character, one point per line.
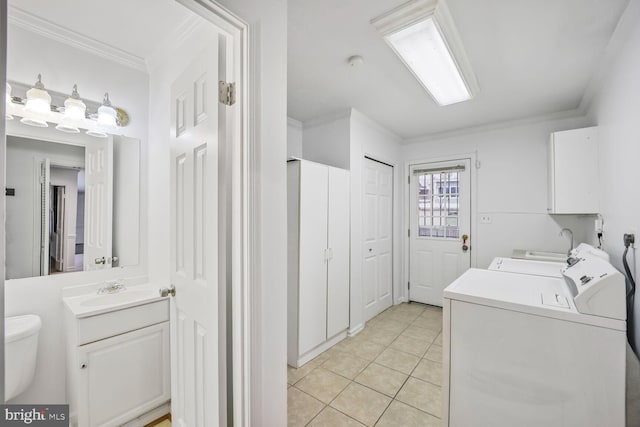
20	350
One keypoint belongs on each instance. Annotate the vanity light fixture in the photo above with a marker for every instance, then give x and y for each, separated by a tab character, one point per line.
74	112
38	103
41	108
422	33
8	102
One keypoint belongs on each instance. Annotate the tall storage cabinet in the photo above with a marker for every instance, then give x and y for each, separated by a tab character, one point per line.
318	258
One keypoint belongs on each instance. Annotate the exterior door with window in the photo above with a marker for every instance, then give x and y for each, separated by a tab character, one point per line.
440	225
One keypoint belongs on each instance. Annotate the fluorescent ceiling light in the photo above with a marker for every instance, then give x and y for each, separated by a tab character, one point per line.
423	35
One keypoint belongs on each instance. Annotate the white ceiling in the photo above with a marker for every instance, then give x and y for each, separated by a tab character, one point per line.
531	58
133	26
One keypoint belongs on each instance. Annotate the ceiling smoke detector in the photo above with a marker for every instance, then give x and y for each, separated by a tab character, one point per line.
355	60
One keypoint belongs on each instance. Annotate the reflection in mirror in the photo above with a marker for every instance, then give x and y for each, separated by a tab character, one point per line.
70	204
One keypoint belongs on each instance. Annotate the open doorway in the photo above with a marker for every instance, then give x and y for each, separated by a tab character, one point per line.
66	219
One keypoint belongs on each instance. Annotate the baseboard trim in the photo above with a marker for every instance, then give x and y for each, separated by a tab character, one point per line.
150	416
355	330
311	354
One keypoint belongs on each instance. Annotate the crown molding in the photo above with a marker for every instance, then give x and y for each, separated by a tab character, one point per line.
48	29
338	115
174	40
296	124
576	113
363	118
616	44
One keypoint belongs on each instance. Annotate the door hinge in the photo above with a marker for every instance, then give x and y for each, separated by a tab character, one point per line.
408	285
409	180
226	93
409	232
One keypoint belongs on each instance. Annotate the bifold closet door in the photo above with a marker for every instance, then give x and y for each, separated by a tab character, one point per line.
338	266
314	189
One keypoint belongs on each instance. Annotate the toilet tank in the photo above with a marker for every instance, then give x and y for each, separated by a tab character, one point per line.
21	349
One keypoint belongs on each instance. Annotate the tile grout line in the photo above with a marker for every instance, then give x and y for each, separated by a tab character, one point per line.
398	333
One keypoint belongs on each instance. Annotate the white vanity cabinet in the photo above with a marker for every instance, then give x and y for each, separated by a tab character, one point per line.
573	171
118	364
318	258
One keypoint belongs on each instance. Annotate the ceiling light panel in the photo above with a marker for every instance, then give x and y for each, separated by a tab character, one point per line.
423	35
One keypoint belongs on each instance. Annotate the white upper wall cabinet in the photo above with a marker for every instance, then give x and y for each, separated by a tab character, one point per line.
573	172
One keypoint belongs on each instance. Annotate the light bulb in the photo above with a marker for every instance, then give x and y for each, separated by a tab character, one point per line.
74	108
74	112
38	103
107	115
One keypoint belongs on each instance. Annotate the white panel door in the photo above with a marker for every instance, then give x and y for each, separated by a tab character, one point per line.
440	217
338	271
195	397
377	212
98	208
312	294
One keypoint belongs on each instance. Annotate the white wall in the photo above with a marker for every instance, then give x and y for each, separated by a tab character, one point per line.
294	138
367	138
511	187
268	21
62	66
616	111
326	140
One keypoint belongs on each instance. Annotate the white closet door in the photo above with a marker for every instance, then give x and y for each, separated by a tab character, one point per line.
312	295
338	271
377	266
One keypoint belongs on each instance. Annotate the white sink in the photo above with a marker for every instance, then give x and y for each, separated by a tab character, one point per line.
533	255
121	297
91	303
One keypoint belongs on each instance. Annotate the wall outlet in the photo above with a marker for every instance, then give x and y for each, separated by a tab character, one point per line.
485	219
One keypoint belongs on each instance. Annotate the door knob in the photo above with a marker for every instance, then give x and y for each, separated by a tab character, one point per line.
165	292
100	260
465	247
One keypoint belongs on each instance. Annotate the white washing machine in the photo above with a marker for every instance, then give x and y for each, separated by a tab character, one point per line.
529	351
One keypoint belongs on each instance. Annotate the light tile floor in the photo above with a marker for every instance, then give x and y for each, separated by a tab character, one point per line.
390	374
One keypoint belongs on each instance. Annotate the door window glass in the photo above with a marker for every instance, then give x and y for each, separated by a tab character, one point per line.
438	198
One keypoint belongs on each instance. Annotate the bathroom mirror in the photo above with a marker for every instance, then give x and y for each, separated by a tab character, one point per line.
72	202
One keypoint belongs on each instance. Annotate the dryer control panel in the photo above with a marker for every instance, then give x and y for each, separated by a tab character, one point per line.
597	287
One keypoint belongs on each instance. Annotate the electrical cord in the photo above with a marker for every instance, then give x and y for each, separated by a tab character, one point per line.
631	291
